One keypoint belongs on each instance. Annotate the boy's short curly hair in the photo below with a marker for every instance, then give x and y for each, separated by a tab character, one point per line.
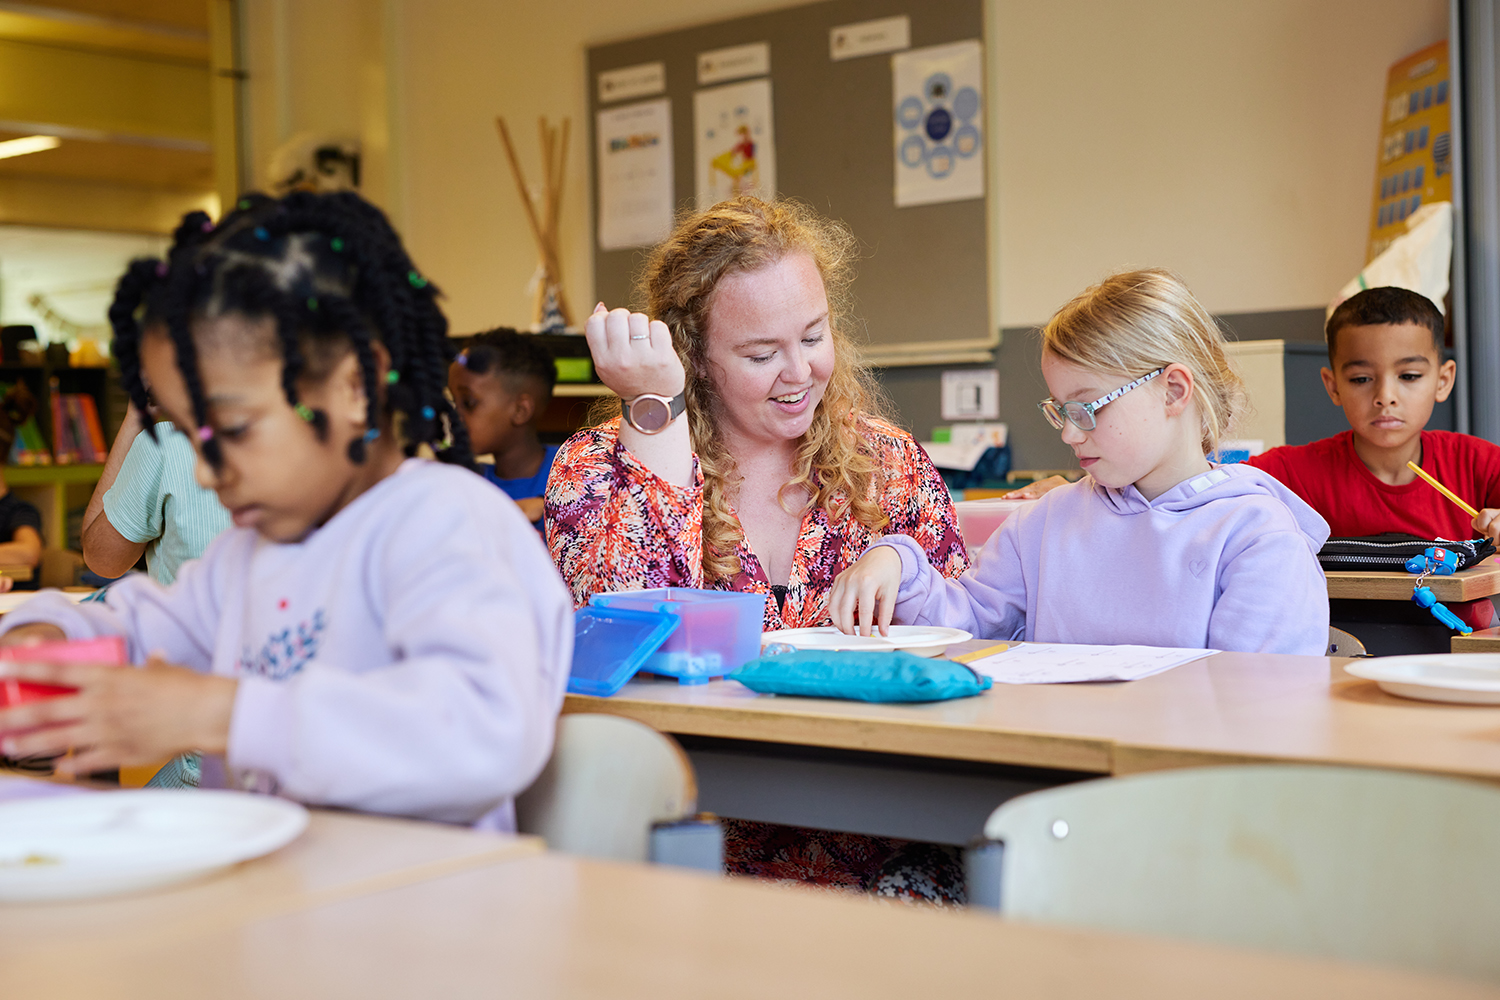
505	351
1386	306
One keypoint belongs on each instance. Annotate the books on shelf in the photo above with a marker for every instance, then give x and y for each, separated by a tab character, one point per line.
77	436
29	447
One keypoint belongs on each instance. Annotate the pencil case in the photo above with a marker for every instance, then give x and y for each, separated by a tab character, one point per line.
1391	550
856	676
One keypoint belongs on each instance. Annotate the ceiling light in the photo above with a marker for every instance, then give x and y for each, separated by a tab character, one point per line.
30	144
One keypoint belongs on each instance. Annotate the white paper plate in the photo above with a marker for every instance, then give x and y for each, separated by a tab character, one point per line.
921	640
1473	678
104	843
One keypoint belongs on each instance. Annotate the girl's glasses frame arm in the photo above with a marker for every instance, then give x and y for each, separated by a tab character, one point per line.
1081	415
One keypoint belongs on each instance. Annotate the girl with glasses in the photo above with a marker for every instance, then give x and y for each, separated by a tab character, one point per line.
1154	545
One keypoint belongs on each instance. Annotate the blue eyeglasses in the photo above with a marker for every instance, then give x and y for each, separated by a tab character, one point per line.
1081	415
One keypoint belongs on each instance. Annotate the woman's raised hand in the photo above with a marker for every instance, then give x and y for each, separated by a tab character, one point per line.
864	595
633	353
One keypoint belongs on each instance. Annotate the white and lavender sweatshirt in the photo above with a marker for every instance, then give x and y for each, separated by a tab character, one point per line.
1225	560
408	657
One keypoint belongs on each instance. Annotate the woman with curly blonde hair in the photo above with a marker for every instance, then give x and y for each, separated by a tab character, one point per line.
783	471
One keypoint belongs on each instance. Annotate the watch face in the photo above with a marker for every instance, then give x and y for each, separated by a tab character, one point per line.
649	414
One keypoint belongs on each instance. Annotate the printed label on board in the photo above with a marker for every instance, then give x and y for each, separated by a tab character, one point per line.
734	63
632	81
887	34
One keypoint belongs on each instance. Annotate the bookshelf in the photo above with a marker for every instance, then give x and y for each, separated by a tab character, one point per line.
57	489
103	384
54	490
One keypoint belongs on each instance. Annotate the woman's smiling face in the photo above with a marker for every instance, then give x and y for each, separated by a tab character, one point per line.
770	350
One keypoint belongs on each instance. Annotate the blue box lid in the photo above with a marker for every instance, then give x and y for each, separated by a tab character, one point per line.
610	644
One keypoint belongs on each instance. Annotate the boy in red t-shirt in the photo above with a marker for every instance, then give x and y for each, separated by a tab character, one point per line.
1386	370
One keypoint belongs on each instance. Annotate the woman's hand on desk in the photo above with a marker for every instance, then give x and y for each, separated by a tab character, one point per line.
864	595
633	353
119	716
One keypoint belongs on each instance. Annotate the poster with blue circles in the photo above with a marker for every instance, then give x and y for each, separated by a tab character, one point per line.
939	111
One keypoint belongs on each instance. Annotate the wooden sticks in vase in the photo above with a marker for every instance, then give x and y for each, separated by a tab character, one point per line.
551	302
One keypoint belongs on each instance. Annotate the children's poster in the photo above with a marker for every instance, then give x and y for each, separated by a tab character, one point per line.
1415	165
734	142
939	108
635	174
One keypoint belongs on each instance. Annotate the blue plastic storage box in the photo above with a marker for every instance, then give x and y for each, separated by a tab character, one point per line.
719	632
610	644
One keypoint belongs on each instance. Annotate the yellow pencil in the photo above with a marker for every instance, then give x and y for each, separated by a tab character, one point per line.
979	654
1445	491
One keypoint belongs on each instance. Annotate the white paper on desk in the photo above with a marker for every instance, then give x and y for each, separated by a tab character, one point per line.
1059	663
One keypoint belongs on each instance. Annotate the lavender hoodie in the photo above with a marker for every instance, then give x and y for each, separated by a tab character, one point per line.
408	657
1226	560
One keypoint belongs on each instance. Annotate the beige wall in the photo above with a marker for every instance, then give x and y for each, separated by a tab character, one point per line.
1232	141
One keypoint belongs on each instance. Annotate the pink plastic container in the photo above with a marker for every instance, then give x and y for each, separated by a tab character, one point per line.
109	650
979	519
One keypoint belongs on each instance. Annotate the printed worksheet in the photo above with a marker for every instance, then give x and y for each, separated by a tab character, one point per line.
1058	663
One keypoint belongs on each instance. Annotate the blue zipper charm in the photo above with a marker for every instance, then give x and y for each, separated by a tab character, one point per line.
1423	597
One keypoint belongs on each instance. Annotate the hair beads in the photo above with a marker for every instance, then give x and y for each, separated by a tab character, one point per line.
332	275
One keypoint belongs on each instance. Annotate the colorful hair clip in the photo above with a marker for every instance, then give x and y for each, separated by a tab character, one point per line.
336	245
205	433
244	203
428	413
261	234
312	303
392	377
208	226
417	281
161	269
371	435
305	412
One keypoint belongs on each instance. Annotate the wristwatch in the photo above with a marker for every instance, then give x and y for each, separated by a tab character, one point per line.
652	414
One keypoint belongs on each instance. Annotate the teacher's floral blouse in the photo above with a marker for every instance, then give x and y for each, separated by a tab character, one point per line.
612	524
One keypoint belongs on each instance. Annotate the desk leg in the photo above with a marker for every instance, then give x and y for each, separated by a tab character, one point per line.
882	795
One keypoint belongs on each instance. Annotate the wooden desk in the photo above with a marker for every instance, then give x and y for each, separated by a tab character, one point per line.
1470	584
935	771
340	856
1484	641
559	927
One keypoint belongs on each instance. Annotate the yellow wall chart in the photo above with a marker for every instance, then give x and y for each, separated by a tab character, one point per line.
1415	166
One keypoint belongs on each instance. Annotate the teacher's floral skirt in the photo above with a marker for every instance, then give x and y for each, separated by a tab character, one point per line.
883	866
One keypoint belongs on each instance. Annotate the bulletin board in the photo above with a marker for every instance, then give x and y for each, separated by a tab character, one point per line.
925	281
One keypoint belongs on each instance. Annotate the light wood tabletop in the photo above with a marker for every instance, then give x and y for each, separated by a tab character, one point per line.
1483	641
562	928
339	856
1228	708
1470	584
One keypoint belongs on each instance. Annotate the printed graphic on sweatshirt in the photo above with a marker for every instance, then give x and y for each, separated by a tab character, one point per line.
284	653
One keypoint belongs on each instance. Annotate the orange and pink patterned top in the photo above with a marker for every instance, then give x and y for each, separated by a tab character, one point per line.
612	524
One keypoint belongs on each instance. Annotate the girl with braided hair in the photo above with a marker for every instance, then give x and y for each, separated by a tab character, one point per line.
377	631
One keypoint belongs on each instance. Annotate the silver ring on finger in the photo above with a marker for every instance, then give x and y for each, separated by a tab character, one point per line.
644	336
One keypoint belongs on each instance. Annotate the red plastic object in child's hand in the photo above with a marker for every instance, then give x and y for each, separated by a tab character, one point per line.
110	650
